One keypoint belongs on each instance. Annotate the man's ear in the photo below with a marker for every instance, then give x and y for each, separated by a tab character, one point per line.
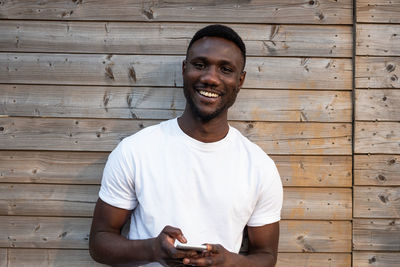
183	66
241	79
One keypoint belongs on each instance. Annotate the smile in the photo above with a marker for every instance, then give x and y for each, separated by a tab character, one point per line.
208	94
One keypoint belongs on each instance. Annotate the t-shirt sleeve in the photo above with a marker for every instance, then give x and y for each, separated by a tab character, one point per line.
118	183
270	198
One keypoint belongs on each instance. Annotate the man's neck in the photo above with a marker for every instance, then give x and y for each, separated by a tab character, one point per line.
207	132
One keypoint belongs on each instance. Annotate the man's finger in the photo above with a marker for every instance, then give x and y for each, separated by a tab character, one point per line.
174	233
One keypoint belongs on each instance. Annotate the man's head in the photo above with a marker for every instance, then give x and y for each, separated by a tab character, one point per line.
217	30
213	72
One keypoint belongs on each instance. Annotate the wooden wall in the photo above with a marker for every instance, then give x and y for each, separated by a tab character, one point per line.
376	225
76	77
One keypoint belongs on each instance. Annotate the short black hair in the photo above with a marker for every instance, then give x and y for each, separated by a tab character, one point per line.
222	31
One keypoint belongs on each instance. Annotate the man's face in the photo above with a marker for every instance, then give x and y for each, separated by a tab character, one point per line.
212	76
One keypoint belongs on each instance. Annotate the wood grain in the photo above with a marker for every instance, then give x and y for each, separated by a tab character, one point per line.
79	201
163	70
72	233
167	103
315	171
377	170
168	38
315	236
377	104
378	40
378	259
87	167
377	72
376	234
104	135
321	204
376	202
377	137
3	257
313	259
258	11
378	11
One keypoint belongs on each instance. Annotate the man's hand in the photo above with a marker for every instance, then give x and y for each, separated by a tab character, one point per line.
164	249
216	255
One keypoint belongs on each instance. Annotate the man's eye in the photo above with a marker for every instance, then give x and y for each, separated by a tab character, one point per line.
199	65
226	70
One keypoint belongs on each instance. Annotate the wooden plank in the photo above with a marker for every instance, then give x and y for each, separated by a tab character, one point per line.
378	104
376	234
168	38
315	236
160	70
377	170
63	232
315	171
378	259
313	259
377	40
48	200
322	204
104	135
51	167
86	168
258	11
79	201
378	11
167	103
376	202
377	137
377	72
60	257
44	232
50	257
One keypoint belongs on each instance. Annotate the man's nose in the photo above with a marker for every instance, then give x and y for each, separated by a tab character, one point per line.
210	76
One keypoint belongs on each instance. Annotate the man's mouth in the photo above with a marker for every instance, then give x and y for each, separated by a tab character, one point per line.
208	94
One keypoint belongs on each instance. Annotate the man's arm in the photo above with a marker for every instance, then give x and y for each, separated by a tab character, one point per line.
106	245
263	250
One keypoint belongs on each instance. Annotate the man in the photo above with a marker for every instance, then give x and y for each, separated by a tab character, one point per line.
192	179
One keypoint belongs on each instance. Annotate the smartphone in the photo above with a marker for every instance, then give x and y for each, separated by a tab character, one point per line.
199	248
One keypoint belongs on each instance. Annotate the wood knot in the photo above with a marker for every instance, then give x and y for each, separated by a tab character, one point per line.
394	78
372	260
383	198
390	67
384	98
391	162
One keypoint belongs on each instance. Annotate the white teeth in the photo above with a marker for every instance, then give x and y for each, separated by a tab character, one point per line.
208	94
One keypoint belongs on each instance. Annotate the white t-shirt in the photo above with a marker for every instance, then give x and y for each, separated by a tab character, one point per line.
208	190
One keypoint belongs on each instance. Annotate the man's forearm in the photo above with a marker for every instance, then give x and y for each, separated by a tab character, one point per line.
112	249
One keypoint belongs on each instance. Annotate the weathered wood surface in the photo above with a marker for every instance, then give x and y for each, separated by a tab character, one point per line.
81	258
315	171
59	232
163	70
166	103
378	11
376	234
87	167
377	72
378	104
259	11
50	257
321	204
376	259
377	40
377	170
3	257
168	38
376	202
79	201
104	135
315	236
377	137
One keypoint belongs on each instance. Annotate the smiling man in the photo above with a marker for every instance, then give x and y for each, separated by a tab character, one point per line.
193	179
